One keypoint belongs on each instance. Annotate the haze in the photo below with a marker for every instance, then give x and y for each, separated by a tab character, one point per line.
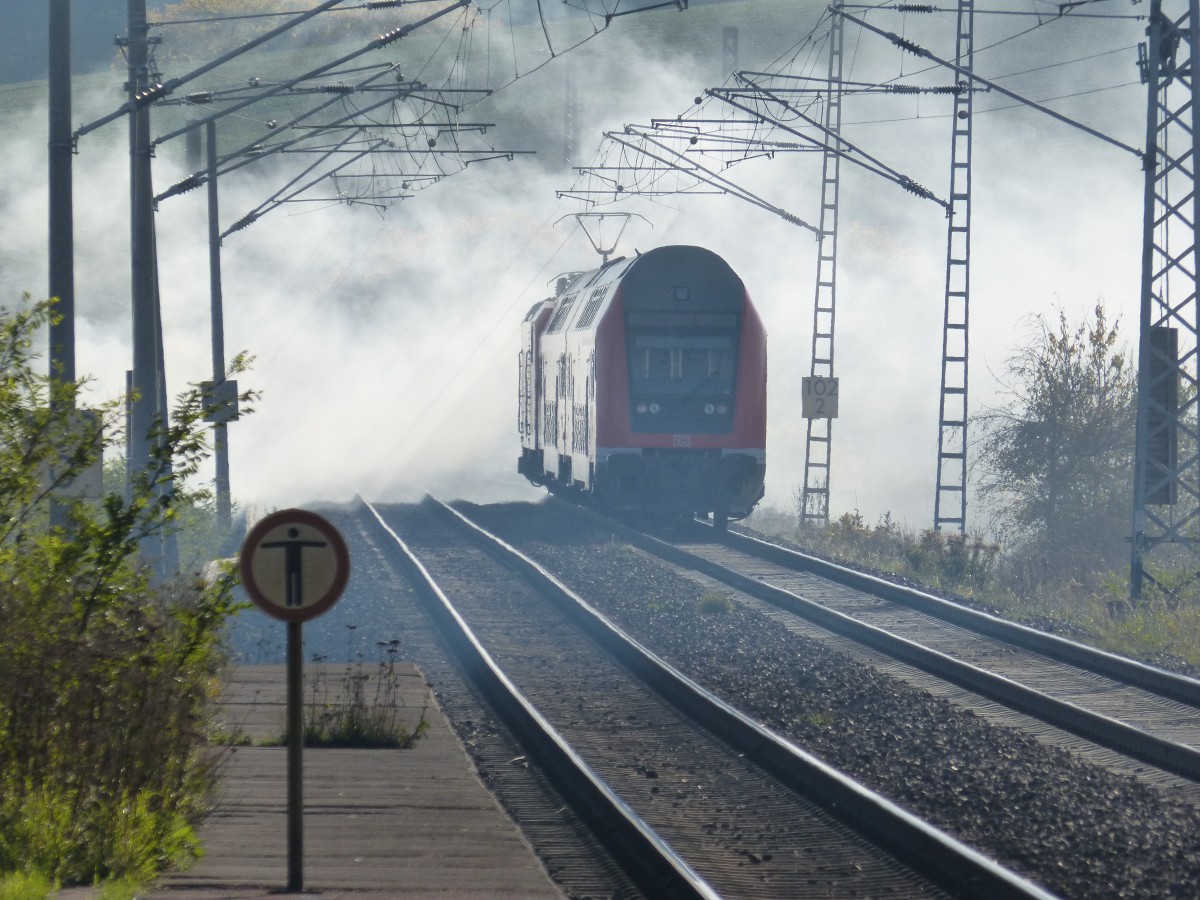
386	340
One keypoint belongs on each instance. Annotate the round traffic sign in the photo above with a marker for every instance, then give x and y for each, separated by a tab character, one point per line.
294	565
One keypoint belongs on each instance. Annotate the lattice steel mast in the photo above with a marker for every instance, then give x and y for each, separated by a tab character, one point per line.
1166	500
818	444
950	501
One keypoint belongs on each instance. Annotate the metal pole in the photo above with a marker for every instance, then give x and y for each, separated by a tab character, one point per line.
62	232
1150	165
168	542
145	413
950	488
295	756
818	441
145	366
128	430
62	227
220	432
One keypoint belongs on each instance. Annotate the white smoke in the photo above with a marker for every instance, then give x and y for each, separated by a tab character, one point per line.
386	342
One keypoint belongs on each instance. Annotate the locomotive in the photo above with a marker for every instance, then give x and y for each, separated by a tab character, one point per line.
643	386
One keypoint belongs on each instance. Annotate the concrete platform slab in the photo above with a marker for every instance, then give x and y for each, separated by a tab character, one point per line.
377	823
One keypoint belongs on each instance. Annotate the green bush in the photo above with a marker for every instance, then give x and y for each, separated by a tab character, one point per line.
107	672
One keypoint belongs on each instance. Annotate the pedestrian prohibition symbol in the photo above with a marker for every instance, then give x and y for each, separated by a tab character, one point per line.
294	565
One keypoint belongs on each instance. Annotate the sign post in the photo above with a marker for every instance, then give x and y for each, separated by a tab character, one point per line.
294	565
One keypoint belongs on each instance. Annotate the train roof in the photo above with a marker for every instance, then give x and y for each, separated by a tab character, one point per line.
661	279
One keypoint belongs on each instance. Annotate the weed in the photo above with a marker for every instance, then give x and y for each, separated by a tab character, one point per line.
233	738
362	710
26	886
714	603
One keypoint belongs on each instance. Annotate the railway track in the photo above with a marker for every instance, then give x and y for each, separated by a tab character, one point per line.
1144	714
747	814
1082	818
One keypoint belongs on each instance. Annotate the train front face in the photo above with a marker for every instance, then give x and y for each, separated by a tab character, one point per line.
682	365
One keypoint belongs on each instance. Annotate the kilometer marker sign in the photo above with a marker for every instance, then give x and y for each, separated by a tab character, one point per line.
819	398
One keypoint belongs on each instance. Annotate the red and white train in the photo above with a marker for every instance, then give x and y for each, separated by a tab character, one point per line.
643	384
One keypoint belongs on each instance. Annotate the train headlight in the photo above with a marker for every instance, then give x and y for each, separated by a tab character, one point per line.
709	409
654	407
722	408
641	407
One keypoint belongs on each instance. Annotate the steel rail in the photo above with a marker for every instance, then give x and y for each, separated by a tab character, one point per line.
1166	684
651	861
939	856
1108	732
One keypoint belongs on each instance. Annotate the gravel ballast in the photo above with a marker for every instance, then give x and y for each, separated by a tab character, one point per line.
1079	829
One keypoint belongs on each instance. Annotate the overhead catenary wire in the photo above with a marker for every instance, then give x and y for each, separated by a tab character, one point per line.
838	144
238	17
920	51
269	144
375	44
162	90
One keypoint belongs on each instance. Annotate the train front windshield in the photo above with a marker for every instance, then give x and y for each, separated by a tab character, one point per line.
682	380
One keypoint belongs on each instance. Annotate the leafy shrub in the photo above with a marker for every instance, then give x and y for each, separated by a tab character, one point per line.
106	673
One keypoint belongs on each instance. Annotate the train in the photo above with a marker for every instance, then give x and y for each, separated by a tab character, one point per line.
642	388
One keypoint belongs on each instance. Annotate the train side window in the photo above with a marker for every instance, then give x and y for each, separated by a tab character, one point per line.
559	319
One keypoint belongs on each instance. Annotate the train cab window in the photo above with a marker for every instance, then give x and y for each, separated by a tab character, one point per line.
682	382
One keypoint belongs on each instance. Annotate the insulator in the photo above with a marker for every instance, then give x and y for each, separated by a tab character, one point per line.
339	87
241	223
394	35
905	44
913	188
915	7
150	94
384	4
904	89
188	184
200	97
949	88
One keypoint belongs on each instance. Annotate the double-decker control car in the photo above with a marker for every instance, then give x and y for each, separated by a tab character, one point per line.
643	384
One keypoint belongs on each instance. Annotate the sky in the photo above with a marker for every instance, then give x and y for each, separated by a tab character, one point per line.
385	341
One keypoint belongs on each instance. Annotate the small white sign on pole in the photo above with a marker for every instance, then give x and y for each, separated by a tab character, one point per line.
819	398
